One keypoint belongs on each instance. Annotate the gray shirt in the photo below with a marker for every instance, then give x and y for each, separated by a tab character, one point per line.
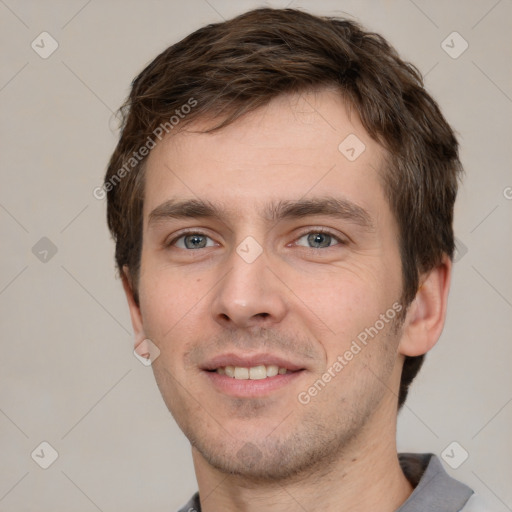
434	489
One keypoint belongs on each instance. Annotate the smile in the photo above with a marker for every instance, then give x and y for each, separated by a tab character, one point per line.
253	373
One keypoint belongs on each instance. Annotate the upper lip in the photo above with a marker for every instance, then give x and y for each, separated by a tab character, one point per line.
248	361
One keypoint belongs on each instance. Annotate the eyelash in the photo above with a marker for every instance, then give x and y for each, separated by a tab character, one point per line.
309	231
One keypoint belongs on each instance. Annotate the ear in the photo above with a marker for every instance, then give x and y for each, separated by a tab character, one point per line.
427	312
135	313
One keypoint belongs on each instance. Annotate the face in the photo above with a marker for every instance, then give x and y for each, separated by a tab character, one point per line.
270	253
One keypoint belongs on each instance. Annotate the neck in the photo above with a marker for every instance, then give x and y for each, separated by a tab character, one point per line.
365	476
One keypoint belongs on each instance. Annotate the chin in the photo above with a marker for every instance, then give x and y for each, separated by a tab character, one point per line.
269	458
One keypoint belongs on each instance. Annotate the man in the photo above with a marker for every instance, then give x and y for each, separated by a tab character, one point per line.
281	198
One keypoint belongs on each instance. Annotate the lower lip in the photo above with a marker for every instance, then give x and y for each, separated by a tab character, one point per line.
248	388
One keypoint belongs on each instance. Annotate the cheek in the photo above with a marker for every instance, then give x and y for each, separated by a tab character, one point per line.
344	300
169	304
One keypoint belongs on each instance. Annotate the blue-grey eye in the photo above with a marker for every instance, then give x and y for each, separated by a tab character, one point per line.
194	241
318	240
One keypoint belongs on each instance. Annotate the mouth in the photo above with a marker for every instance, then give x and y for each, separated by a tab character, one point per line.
245	376
253	373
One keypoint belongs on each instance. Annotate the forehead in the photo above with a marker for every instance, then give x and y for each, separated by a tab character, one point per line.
296	147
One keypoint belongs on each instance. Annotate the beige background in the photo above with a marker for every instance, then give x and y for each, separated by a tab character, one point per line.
68	375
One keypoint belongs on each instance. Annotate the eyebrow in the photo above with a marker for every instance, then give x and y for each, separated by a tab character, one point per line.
274	211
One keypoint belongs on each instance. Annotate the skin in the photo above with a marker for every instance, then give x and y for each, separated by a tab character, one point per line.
303	303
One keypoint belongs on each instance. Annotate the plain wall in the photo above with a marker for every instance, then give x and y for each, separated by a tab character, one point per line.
68	374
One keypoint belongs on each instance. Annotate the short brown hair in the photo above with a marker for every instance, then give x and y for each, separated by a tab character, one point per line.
228	69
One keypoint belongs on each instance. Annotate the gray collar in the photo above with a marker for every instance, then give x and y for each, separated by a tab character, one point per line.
434	489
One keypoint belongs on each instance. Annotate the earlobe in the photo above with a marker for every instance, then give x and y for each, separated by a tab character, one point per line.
135	313
426	314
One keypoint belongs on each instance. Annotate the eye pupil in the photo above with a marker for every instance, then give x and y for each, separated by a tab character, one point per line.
319	240
195	241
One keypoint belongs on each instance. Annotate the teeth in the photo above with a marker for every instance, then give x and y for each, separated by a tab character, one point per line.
257	372
273	370
241	373
253	373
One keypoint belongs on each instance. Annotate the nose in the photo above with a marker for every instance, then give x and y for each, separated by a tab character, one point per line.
249	295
